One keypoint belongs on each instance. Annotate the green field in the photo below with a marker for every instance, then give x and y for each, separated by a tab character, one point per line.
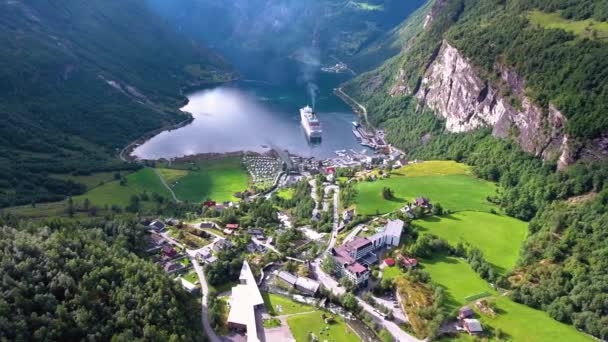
582	28
288	306
520	322
302	325
391	272
286	193
208	179
498	237
114	193
91	181
455	192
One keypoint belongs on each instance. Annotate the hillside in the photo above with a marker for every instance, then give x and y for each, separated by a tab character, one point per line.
517	89
327	28
81	80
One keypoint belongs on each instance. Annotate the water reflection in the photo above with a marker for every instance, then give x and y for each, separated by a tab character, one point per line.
253	117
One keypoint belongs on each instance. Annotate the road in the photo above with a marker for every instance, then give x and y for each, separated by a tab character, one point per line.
332	285
204	309
363	109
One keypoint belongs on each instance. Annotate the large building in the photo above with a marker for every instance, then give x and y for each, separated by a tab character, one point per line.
245	302
354	258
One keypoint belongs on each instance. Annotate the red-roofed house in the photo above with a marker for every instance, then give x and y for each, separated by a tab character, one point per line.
232	226
390	262
209	204
407	262
330	170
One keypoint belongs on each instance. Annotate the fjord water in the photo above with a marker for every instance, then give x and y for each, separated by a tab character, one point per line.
257	114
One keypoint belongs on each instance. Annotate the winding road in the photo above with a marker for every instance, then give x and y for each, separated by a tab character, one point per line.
333	286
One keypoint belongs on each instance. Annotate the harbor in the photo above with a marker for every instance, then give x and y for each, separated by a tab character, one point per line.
369	137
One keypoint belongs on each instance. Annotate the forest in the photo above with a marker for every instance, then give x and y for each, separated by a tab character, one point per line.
68	281
70	103
562	269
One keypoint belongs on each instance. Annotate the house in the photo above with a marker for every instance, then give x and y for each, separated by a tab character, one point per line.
256	233
157	226
211	260
222	244
390	262
423	202
172	222
169	251
204	253
395	155
209	204
227	231
245	303
472	326
288	278
207	225
348	216
172	267
192	288
465	312
307	285
219	208
407	262
330	170
232	226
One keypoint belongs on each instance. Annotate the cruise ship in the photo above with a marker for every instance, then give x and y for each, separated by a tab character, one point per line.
311	123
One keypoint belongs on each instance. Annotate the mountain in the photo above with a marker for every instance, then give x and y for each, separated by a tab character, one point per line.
517	89
507	66
81	80
271	29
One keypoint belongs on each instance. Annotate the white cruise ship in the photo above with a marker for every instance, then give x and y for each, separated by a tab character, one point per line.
311	123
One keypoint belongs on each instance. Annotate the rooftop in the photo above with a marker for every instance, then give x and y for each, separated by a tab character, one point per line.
245	297
394	227
473	325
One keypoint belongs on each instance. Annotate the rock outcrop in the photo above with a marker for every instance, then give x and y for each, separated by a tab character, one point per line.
454	89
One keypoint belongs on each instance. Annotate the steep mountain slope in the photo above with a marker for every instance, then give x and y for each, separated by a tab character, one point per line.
277	29
518	89
81	79
486	64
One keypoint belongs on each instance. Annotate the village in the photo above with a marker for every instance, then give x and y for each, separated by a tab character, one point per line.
293	260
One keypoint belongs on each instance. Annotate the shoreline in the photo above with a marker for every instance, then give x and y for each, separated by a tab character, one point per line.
126	154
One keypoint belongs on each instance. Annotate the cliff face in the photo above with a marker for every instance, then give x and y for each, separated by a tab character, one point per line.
453	88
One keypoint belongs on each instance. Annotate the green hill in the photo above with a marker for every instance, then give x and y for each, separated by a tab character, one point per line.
81	79
559	55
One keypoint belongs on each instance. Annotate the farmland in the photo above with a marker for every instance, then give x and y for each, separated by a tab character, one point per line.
498	237
207	179
519	322
447	183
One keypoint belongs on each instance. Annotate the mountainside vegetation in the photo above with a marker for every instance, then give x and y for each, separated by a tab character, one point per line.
562	269
65	281
80	81
318	29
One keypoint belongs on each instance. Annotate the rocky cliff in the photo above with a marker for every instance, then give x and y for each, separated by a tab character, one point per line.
454	89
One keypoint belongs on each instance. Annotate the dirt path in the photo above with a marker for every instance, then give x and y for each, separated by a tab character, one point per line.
177	200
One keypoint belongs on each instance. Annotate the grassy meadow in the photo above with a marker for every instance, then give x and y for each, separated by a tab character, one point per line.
498	237
302	325
144	180
207	179
582	28
518	321
445	182
288	306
